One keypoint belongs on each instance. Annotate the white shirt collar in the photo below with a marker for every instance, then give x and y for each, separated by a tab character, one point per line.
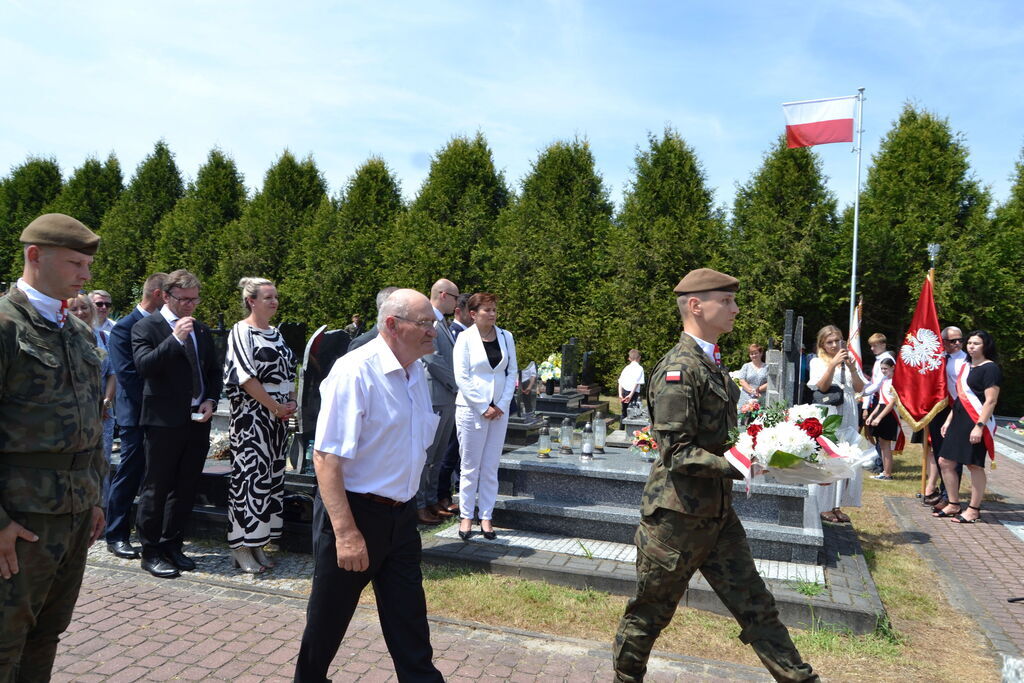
46	306
707	347
168	314
438	314
143	311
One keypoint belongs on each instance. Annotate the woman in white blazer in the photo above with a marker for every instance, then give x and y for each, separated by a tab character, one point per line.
485	372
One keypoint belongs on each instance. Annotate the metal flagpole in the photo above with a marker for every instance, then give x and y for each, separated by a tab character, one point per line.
856	201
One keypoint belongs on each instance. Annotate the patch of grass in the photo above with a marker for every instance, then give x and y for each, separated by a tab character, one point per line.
586	551
809	588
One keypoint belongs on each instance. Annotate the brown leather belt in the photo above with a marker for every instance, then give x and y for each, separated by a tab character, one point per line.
49	461
379	499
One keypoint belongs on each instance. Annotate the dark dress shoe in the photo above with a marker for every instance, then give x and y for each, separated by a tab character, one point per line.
178	559
425	516
160	568
124	550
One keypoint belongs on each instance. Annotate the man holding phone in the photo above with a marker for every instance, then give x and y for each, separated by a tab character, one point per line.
174	355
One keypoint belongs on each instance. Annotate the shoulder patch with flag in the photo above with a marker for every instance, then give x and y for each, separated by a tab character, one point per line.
673	376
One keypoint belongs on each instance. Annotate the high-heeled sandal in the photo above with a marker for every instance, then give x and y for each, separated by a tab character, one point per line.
245	561
932	498
960	519
943	513
262	558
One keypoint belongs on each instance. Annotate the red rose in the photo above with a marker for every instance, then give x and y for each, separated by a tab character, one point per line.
753	430
812	426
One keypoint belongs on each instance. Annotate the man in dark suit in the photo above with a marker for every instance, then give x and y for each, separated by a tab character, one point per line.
371	333
124	486
174	355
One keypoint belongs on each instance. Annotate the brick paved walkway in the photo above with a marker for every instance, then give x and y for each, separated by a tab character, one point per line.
981	562
131	627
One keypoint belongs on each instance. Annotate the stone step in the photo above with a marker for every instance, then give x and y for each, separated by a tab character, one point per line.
617	523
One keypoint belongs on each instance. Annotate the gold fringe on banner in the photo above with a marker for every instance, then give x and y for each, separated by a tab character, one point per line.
916	425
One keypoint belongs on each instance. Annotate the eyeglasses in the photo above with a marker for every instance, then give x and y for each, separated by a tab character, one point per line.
422	324
185	300
958	340
101	304
454	296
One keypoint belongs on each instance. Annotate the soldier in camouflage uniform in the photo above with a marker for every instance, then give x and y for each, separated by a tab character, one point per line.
51	455
688	522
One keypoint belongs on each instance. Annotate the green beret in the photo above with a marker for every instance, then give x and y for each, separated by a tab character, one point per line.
706	280
58	230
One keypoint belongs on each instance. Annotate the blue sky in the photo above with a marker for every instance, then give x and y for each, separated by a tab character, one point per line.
347	80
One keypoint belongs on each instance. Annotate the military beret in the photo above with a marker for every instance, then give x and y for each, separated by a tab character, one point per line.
58	230
706	280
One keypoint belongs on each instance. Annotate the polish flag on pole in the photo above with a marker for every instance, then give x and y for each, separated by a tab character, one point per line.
853	345
819	122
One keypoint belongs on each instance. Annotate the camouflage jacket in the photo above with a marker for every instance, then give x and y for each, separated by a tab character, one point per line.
693	407
50	403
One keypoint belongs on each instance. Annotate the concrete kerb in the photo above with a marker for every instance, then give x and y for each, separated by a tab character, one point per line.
957	594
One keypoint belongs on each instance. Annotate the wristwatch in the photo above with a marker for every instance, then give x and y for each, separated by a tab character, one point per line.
979	424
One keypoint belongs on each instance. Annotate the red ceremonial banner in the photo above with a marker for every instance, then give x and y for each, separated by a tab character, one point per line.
920	377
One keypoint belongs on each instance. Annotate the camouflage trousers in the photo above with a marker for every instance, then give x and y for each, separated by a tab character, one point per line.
670	547
37	602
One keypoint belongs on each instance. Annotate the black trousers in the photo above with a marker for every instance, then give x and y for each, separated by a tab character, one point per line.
174	461
393	544
450	465
124	485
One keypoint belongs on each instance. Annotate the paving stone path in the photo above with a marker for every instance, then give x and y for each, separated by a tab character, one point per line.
131	627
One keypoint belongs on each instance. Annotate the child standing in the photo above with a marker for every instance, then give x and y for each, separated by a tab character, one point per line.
885	423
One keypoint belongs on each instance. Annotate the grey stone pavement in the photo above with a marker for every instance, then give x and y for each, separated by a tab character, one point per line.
211	626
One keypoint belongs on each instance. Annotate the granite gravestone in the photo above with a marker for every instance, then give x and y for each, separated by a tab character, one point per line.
568	380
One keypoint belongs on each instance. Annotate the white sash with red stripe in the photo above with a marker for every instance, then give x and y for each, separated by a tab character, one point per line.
972	404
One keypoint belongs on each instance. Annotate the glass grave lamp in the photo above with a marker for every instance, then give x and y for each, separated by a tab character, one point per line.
600	433
566	437
544	440
587	452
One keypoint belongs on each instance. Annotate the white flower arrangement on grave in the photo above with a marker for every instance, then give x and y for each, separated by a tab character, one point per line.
551	368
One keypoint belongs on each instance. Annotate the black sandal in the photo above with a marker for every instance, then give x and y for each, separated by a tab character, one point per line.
943	513
960	519
932	498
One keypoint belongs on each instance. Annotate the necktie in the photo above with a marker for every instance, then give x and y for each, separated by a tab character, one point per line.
62	314
193	360
718	356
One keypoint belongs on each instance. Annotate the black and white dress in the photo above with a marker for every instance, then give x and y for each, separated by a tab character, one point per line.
257	437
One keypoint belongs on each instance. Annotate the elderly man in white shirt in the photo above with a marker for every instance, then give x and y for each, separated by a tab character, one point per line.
630	380
374	427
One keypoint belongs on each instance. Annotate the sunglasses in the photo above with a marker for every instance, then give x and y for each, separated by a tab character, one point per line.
102	304
958	340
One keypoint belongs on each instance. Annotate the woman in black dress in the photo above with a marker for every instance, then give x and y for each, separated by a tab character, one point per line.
969	428
259	378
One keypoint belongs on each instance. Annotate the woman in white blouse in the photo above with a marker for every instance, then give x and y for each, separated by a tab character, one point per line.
485	372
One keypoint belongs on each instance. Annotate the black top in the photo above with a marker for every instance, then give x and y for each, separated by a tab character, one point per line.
493	349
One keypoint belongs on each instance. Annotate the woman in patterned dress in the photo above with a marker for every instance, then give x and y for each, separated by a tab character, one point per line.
259	378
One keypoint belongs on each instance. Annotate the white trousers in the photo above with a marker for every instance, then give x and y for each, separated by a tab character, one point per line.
480	443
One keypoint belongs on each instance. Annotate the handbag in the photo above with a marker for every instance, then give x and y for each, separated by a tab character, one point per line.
832	397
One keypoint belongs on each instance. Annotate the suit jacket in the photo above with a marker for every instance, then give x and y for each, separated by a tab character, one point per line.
128	401
167	378
440	372
367	336
479	383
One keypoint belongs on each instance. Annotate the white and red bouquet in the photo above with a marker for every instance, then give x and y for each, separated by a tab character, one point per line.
795	445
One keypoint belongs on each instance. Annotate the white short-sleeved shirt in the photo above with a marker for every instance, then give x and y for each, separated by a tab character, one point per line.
631	376
377	416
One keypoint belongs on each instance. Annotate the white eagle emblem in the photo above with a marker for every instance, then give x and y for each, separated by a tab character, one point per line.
921	351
